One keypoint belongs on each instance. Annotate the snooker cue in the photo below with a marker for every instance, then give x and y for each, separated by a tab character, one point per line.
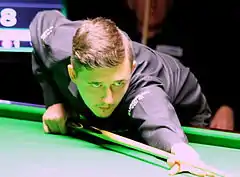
145	22
108	136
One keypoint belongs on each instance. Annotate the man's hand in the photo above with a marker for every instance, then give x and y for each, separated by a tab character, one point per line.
184	160
54	119
223	119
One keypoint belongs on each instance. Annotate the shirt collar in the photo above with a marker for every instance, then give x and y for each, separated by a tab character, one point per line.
73	89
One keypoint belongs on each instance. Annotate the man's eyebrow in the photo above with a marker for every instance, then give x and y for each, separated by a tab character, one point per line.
121	80
94	82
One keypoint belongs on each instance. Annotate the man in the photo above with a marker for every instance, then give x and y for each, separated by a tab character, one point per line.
92	69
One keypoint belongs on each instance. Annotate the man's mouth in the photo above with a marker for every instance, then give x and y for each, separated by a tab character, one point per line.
105	107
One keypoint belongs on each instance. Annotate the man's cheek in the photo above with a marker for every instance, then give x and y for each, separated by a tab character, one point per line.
91	98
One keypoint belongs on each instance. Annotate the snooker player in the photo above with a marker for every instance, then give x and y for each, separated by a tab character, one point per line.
90	68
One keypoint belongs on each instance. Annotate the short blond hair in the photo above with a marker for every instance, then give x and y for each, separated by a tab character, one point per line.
99	43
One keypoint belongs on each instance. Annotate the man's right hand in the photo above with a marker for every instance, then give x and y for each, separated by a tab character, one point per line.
54	119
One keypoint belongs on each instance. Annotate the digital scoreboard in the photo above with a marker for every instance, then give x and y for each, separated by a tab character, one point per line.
15	18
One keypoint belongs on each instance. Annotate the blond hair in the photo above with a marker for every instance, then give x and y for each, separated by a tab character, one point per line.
99	43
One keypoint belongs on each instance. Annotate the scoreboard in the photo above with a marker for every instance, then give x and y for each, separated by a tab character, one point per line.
15	18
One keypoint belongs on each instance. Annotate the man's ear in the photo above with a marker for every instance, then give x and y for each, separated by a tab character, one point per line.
134	64
72	73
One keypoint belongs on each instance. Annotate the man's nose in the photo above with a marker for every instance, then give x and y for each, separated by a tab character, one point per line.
108	99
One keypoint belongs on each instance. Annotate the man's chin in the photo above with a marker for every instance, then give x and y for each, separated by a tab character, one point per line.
103	115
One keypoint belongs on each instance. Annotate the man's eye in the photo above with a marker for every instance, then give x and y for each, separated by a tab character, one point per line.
96	85
118	84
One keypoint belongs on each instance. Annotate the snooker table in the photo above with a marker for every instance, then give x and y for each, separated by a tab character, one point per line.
25	151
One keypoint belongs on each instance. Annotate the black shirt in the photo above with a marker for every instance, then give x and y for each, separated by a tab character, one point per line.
162	96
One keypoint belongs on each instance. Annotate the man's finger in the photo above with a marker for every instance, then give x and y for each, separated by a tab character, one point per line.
174	170
63	129
53	126
45	128
62	126
171	162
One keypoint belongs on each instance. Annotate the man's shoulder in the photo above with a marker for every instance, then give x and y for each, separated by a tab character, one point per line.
147	59
51	36
156	69
154	59
145	53
47	60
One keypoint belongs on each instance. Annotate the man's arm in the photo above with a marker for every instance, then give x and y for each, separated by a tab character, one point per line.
192	101
41	30
50	91
156	118
55	117
160	127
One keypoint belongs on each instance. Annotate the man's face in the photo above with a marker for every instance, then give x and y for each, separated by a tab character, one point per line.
103	88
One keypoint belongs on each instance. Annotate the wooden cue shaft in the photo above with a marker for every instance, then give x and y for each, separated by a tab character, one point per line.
108	136
145	22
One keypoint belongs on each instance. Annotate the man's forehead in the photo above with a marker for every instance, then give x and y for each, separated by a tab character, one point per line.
104	74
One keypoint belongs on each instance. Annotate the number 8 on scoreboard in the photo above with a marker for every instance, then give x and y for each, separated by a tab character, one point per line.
8	17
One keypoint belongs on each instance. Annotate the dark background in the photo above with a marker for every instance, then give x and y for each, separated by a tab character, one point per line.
215	25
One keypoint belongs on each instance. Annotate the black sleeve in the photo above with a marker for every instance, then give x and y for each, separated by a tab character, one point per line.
194	109
156	118
51	93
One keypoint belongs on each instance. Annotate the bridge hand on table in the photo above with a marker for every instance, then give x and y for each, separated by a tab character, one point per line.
178	167
186	159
